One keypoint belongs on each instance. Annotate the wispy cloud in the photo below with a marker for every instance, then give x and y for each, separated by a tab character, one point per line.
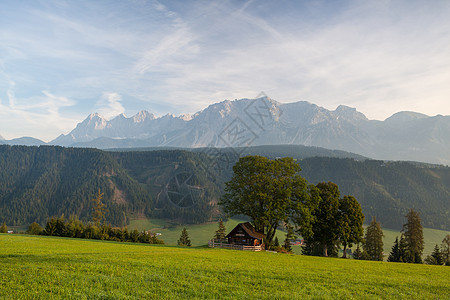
109	105
23	116
58	58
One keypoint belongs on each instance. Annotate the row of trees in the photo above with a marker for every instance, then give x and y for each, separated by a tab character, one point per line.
272	194
407	249
75	228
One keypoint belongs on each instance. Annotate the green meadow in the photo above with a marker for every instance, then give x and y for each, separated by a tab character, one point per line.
201	233
37	267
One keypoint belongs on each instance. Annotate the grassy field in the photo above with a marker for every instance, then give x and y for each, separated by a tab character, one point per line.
47	267
200	234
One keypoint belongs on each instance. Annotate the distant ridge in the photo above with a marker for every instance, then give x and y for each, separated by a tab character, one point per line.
24	141
241	123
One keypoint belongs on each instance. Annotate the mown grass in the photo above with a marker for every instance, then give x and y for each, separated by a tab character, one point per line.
34	267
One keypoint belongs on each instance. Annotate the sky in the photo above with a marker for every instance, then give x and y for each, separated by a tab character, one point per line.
63	60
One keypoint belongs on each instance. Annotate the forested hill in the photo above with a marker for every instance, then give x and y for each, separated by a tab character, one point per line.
388	189
39	182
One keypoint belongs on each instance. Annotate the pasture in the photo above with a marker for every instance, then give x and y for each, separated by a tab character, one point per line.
37	267
201	233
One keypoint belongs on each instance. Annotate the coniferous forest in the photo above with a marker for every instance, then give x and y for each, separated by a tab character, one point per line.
37	183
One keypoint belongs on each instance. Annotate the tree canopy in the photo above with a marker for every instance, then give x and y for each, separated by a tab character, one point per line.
269	192
335	221
272	194
350	221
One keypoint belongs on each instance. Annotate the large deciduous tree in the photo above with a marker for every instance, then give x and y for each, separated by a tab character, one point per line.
325	228
413	232
327	224
269	192
350	221
335	221
374	240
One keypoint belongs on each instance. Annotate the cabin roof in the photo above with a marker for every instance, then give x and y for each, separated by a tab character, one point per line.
249	229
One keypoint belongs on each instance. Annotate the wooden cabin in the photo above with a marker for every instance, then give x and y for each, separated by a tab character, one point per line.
242	237
245	234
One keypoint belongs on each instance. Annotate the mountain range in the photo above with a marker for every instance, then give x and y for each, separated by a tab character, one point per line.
264	121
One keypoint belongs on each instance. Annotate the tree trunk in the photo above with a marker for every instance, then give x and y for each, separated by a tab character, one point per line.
325	250
345	251
271	231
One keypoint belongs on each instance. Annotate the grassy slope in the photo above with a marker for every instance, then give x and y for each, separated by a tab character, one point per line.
200	234
48	267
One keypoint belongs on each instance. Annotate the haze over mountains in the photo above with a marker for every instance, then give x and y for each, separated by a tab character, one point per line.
264	121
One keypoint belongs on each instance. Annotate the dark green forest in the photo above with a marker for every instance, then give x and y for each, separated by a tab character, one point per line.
37	183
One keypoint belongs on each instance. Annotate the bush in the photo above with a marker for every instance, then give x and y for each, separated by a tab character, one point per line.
4	228
35	229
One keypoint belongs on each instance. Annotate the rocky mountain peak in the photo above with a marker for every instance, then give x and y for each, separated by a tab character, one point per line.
142	116
349	113
264	121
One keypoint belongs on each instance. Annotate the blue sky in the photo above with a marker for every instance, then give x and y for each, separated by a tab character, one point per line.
62	60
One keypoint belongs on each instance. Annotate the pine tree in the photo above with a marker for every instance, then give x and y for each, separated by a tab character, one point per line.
445	250
221	231
289	237
402	248
98	215
394	256
184	238
374	241
437	254
357	254
276	243
414	237
4	228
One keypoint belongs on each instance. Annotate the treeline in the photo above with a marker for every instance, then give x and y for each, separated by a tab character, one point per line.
75	228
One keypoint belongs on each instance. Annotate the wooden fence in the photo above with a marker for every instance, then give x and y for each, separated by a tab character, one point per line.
215	244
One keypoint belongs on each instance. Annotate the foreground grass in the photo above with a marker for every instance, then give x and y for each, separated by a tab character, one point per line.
47	267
